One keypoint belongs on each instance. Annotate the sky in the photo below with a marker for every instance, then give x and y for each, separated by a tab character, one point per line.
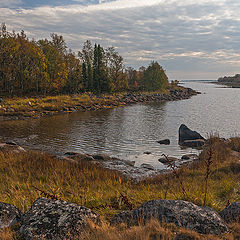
190	39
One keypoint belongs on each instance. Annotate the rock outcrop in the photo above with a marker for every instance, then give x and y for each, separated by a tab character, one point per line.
231	213
184	214
55	219
189	138
9	215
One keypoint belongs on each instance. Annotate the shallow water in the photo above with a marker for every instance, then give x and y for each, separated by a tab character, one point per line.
127	132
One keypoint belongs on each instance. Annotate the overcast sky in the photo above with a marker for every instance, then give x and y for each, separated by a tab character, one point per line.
190	39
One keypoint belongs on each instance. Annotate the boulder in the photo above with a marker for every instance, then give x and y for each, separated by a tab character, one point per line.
9	215
147	166
191	157
184	214
147	153
186	134
231	213
55	219
167	160
198	143
164	141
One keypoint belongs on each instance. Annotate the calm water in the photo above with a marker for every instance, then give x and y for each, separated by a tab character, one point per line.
127	132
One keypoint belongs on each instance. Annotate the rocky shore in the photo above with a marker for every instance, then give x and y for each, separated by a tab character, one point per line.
33	109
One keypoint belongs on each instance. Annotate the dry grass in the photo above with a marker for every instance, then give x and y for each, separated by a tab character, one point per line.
101	189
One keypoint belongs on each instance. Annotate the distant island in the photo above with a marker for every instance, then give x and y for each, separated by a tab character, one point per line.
230	81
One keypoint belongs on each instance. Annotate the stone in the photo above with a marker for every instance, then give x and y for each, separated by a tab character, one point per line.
198	143
231	213
183	214
147	166
186	134
167	160
147	152
55	219
29	103
5	147
79	156
192	157
101	157
9	215
164	141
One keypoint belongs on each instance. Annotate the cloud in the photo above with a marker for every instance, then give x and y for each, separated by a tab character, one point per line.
184	36
9	3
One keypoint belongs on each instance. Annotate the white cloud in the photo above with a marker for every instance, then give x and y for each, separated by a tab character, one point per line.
9	3
187	35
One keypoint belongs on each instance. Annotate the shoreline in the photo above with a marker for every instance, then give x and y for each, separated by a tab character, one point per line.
25	108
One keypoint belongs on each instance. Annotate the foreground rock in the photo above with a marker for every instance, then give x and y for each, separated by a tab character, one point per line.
55	219
167	160
9	215
190	157
11	147
231	213
184	214
189	138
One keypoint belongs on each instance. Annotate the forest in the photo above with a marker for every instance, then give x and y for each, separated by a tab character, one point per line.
49	67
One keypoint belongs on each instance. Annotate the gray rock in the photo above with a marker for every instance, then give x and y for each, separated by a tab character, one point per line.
5	147
101	157
147	152
191	157
55	219
184	214
167	160
231	213
9	215
164	141
147	166
198	143
187	134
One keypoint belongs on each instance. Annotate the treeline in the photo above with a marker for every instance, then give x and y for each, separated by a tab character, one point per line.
49	67
235	78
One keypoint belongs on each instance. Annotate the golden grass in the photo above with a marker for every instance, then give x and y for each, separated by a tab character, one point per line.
97	188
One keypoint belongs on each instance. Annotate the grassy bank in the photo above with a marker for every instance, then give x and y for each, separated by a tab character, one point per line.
27	176
20	108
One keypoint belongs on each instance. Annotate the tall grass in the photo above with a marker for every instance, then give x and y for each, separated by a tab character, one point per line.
27	176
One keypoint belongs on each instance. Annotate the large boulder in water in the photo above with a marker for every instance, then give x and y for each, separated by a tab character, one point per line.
186	134
183	214
9	215
55	219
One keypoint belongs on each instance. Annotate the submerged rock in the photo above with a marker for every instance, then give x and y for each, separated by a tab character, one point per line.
198	143
55	219
183	214
167	160
231	213
9	215
191	157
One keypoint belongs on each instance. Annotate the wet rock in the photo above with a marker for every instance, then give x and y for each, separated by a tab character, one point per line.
186	134
231	213
101	157
5	147
183	214
191	157
148	153
55	219
9	215
164	141
79	156
198	143
167	160
147	166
